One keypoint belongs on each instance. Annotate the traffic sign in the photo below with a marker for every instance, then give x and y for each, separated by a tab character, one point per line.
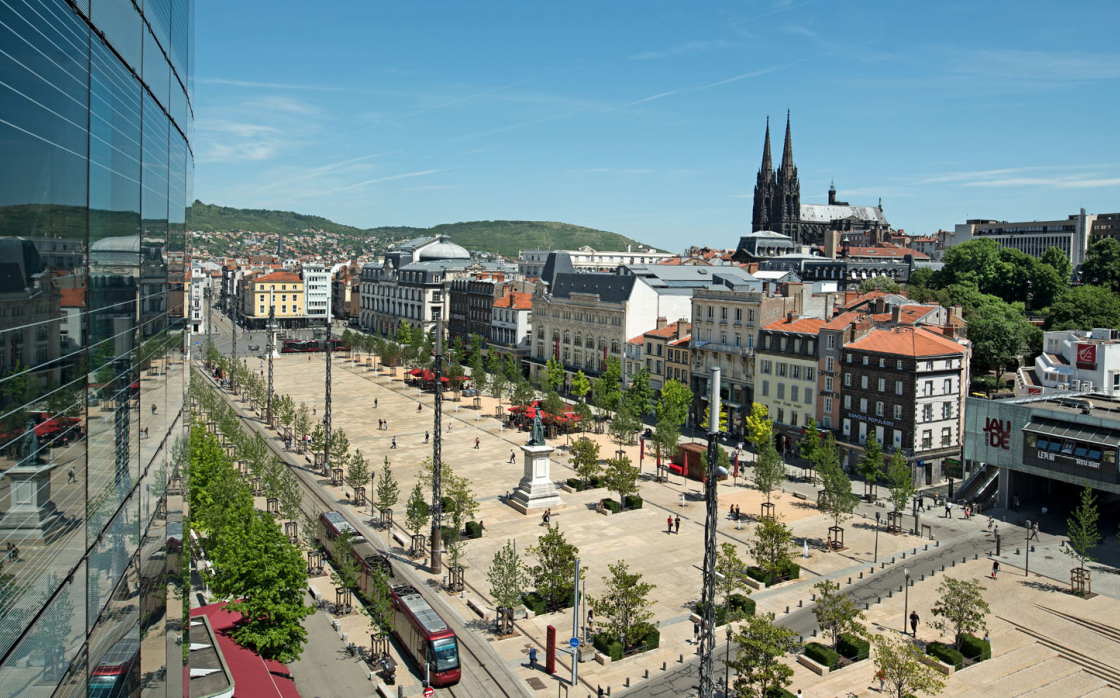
429	692
574	642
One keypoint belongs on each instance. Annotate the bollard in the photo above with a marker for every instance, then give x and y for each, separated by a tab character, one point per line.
954	565
814	632
646	674
866	607
890	593
787	607
664	665
799	603
849	580
861	575
608	690
400	691
1016	551
922	579
900	588
680	659
812	597
904	555
878	599
943	568
936	543
927	547
627	684
872	570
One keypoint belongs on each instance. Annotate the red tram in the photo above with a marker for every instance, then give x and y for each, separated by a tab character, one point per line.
303	346
426	638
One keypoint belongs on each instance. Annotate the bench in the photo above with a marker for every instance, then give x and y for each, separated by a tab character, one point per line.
399	537
800	496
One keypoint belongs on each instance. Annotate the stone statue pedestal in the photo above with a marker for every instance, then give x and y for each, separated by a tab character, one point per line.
31	515
536	489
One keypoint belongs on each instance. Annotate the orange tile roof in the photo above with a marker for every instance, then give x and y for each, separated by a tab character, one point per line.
683	341
279	277
805	325
909	315
517	300
639	340
841	321
852	299
669	330
907	341
73	297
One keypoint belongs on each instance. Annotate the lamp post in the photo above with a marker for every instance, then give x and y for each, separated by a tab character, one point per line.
876	560
1027	569
906	599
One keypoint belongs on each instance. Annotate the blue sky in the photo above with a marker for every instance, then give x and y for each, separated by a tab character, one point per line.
647	118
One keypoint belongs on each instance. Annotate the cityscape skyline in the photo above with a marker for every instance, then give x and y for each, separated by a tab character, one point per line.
651	123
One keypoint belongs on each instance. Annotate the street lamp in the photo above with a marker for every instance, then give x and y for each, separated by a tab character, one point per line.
906	599
876	538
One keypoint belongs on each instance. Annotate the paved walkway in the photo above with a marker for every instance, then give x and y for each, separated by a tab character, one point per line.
326	669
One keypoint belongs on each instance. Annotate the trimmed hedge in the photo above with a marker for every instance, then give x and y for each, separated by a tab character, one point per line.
534	602
474	530
633	501
612	506
822	655
779	693
792	571
945	653
575	483
649	638
742	604
594	482
975	649
608	646
853	647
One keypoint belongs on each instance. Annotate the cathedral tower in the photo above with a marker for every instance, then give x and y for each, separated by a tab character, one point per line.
777	195
763	188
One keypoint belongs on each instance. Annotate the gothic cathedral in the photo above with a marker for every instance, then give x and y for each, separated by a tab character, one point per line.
777	197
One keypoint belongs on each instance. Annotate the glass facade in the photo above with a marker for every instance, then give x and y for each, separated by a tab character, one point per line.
95	175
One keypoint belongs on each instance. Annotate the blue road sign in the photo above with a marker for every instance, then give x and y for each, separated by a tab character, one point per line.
574	642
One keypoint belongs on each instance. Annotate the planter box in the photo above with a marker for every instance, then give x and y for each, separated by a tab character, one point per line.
754	583
567	488
937	664
602	658
818	669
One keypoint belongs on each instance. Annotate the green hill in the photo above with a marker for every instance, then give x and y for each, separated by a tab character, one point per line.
500	237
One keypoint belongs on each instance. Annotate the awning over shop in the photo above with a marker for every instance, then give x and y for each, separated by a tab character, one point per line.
1073	431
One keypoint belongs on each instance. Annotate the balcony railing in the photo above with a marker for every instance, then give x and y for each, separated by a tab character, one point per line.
738	350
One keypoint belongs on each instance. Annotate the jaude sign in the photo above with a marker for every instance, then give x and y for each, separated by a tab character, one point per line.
1087	356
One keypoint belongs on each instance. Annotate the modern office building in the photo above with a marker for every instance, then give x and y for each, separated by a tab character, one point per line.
1070	235
95	178
317	291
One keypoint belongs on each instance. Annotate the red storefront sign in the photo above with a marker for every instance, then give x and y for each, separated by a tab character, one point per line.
1087	356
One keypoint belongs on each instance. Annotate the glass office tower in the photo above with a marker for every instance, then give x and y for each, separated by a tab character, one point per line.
95	177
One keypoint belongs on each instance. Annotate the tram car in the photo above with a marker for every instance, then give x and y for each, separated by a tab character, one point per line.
305	346
427	639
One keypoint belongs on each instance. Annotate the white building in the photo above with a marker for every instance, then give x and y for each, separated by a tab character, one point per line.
317	290
1074	360
1033	237
531	262
510	324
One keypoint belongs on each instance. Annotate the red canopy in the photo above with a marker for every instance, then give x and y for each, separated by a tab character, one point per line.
415	372
47	428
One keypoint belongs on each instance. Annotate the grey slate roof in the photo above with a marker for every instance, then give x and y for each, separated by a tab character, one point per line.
824	213
611	288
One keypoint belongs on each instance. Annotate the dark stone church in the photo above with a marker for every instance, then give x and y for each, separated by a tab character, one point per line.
778	207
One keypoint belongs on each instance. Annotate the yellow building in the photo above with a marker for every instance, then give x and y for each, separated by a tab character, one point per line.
282	289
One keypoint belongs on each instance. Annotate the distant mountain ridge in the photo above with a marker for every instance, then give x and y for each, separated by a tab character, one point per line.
500	237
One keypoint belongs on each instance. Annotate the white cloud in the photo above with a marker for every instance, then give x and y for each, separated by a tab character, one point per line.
697	46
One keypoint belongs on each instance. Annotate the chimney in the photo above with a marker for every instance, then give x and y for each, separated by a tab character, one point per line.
790	315
880	305
831	242
896	314
682	329
661	322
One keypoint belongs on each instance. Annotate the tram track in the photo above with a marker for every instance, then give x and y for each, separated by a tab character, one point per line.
479	679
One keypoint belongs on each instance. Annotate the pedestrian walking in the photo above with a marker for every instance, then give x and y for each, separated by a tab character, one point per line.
995	568
990	524
375	403
394	442
921	503
828	544
476	442
532	657
669	523
426	437
70	476
419	408
881	677
1015	503
948	510
512	457
914	623
1034	532
696	633
677	524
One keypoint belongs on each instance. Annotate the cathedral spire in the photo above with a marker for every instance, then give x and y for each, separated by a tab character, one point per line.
767	164
787	152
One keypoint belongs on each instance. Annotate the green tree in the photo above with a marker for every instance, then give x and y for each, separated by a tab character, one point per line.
290	496
606	392
976	261
584	458
478	372
583	410
771	545
499	384
622	477
264	578
1047	285
672	406
624	605
493	363
1083	308
555	568
835	612
871	465
666	437
16	394
1081	529
581	386
640	394
922	277
553	376
758	424
623	425
769	470
960	608
508	579
879	283
512	368
837	499
900	483
901	663
760	644
416	511
1102	264
523	392
358	472
347	571
708	419
552	403
731	577
999	333
377	602
388	490
1058	260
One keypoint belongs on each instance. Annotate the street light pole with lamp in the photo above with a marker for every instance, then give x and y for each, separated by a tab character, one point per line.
876	561
906	599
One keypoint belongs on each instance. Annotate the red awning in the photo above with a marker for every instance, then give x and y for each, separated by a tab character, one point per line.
47	428
415	372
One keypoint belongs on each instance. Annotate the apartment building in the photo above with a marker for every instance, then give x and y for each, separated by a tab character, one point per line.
656	346
317	287
531	263
787	375
1073	360
282	289
470	306
511	329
